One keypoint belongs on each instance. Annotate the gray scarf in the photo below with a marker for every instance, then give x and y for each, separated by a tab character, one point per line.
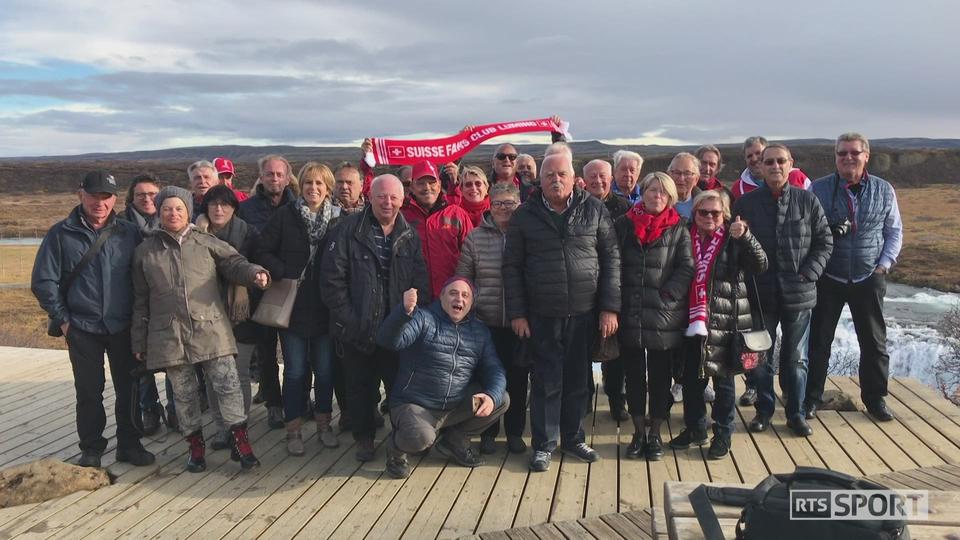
316	224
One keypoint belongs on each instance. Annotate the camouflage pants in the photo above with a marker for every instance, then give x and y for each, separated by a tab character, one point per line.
222	374
245	351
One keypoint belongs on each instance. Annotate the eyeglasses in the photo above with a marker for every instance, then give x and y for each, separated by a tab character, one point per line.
779	161
709	213
501	156
685	174
504	204
148	195
473	184
852	153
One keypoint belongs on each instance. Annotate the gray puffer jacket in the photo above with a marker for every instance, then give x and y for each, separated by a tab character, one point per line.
796	239
481	261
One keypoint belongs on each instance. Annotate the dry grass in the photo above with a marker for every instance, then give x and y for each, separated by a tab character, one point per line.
931	243
31	214
16	263
24	323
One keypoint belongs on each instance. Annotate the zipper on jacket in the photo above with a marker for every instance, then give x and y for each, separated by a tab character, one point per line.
453	369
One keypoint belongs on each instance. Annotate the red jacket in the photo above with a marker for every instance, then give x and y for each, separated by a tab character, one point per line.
442	232
746	183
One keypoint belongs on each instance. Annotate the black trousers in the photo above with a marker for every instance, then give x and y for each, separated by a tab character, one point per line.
269	370
694	407
518	379
866	308
363	373
86	356
648	371
558	385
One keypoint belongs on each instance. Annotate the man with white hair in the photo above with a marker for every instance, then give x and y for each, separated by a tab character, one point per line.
527	169
374	257
561	266
626	174
203	176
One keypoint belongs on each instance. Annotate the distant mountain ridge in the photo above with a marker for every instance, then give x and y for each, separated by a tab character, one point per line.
328	153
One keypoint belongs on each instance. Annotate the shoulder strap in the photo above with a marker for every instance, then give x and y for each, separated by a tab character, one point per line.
313	253
706	517
87	257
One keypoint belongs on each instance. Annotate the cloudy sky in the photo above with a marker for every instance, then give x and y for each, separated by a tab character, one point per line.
84	76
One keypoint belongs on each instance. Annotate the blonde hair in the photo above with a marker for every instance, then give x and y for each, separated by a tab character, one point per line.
712	195
315	167
665	182
475	171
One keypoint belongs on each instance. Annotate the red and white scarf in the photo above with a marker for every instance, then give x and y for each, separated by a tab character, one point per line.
401	152
703	259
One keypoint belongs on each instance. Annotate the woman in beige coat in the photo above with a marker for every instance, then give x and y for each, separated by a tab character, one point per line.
179	319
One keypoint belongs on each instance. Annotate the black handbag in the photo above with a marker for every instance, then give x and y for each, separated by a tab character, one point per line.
748	347
53	327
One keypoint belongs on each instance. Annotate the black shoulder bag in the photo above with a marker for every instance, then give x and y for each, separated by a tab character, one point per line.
748	346
53	328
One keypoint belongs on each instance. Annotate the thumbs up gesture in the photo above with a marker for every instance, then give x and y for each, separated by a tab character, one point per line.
409	300
738	227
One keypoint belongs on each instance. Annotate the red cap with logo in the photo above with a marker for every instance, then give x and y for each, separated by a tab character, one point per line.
223	165
424	168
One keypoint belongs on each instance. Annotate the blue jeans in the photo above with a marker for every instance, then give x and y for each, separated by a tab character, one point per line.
299	354
150	398
795	330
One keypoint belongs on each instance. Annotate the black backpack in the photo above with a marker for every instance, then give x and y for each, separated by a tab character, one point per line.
766	510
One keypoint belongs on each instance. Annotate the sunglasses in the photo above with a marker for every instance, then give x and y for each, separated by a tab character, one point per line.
778	161
501	156
504	204
709	213
473	184
852	153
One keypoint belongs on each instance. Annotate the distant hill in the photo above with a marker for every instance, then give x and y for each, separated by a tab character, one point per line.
903	161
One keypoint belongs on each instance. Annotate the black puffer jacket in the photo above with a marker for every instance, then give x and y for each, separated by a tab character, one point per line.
439	358
796	238
737	259
350	277
555	270
617	205
656	284
284	250
256	210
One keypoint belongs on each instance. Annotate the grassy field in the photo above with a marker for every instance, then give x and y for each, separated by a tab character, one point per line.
930	256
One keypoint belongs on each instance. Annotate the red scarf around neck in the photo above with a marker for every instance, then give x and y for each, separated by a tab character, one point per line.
648	227
704	255
475	209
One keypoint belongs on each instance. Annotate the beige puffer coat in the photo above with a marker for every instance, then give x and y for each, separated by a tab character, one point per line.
480	261
178	312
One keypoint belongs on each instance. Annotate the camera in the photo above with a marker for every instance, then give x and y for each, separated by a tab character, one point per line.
841	229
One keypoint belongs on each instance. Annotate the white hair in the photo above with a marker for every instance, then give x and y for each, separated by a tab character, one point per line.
620	155
379	182
558	147
597	163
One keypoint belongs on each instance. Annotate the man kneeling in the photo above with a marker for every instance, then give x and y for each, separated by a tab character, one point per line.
450	385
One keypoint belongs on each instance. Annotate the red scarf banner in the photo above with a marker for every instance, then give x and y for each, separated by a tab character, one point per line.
704	255
400	152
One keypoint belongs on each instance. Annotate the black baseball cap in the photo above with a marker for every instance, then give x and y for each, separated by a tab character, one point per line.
99	181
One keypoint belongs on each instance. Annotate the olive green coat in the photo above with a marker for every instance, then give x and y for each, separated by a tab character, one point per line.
178	313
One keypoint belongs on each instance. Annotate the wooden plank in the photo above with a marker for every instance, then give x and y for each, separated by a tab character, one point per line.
643	519
495	535
932	481
836	446
506	494
944	425
931	397
603	483
623	526
406	503
523	533
598	528
433	513
469	506
634	480
569	498
538	495
547	531
573	530
744	453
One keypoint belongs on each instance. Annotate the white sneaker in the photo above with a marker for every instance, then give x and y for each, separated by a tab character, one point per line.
677	392
708	394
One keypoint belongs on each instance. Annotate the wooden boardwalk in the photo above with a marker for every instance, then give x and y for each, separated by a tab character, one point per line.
329	494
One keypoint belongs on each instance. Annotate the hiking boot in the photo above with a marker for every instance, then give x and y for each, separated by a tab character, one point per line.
654	448
515	444
636	447
365	450
397	464
151	419
275	418
221	441
749	397
719	448
540	461
464	456
488	445
295	439
688	437
196	461
136	456
241	450
89	459
324	431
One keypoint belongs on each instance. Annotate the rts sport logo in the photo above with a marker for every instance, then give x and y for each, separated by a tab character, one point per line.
858	504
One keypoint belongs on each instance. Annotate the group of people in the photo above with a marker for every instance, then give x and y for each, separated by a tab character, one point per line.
464	294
